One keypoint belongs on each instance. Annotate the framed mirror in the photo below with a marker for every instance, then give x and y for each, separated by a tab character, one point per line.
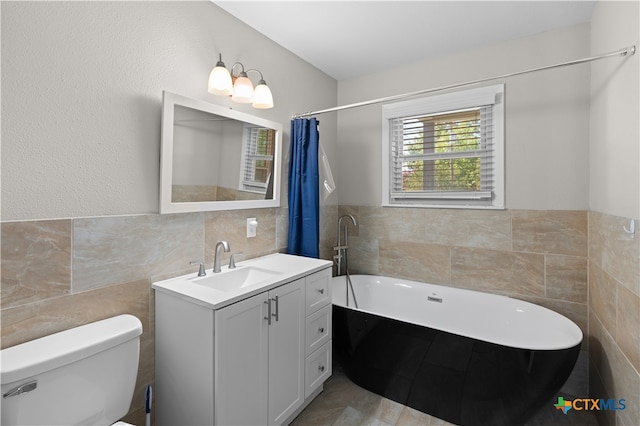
216	158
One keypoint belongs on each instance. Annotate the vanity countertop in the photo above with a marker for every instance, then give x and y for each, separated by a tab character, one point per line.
285	268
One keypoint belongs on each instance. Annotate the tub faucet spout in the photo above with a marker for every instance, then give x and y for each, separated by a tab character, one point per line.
342	246
218	254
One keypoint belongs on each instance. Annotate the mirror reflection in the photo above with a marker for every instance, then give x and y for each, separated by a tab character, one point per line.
216	159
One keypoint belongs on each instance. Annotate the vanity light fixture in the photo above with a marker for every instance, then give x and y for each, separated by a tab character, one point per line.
240	88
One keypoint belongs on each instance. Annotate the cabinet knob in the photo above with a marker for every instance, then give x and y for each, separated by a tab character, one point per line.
321	368
321	290
321	330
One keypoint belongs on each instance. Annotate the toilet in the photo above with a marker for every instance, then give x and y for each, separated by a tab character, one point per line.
82	376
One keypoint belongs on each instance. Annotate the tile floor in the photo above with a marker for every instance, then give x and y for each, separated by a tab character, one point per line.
344	403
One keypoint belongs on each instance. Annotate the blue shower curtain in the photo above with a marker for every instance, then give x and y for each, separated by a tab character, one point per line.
304	189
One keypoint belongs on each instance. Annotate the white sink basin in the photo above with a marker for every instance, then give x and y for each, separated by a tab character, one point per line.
250	277
236	279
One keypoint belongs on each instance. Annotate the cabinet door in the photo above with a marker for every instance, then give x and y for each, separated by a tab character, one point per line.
241	366
286	351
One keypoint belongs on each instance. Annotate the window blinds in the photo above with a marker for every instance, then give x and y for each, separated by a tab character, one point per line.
258	158
445	156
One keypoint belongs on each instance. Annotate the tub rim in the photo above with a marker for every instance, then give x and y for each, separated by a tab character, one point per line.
560	332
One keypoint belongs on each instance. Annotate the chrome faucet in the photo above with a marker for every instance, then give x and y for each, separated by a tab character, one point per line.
217	254
341	254
341	247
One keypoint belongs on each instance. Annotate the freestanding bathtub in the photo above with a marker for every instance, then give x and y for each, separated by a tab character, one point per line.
467	357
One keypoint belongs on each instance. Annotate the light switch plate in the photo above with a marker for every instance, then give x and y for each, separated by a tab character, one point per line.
252	227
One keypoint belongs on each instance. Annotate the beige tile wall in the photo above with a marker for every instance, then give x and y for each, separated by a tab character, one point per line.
614	317
35	261
57	274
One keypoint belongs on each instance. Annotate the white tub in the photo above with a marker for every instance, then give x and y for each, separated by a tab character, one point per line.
488	317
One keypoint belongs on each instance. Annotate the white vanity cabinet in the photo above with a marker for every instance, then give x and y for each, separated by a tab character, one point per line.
257	360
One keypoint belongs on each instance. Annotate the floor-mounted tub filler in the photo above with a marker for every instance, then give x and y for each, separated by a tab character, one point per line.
467	357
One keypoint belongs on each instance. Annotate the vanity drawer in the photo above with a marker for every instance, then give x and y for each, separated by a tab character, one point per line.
318	290
318	331
317	369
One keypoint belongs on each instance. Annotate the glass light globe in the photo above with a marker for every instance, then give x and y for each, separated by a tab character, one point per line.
262	97
220	81
242	90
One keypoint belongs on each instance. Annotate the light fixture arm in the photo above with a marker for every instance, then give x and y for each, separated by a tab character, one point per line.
242	73
261	77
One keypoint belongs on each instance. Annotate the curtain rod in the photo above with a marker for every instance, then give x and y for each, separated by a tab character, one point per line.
631	50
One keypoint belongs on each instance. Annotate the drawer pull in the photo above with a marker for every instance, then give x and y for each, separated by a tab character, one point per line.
321	330
321	368
277	314
268	317
321	290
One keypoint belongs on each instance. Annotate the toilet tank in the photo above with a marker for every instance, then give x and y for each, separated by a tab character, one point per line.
82	376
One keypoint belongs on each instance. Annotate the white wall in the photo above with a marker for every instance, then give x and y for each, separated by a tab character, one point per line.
547	118
614	180
82	86
197	148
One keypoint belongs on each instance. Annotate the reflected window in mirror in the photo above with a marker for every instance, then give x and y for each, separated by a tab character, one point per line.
257	160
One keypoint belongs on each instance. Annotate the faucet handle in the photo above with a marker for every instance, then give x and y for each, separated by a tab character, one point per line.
232	259
201	271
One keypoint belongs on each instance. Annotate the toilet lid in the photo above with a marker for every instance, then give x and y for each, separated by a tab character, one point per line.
122	424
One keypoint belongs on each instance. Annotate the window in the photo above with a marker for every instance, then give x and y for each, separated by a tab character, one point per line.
445	151
257	158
